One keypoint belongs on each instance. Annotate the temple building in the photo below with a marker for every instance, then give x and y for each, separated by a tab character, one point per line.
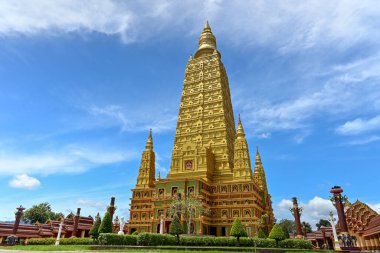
358	226
210	158
73	225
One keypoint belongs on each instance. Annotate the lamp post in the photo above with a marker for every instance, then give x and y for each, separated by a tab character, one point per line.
336	242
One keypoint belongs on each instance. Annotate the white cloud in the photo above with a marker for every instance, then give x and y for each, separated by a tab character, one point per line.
359	126
134	120
24	181
288	25
364	140
375	207
265	135
69	159
349	89
314	210
99	205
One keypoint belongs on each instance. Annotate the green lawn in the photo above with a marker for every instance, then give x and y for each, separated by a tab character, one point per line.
88	248
49	248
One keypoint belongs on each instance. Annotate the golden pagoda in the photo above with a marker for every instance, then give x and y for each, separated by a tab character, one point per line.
210	159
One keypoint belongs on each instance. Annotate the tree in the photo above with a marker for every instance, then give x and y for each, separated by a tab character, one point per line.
261	234
176	227
41	213
238	230
277	233
190	207
322	223
263	223
306	227
94	232
288	226
106	224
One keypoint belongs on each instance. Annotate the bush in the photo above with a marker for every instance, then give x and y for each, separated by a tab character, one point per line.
277	233
106	224
149	239
115	239
238	230
135	233
295	244
76	241
262	234
94	232
41	241
227	241
175	227
63	241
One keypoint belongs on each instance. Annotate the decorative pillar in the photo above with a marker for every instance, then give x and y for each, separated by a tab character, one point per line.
367	243
377	241
338	201
332	222
19	214
82	233
76	222
296	211
373	243
111	208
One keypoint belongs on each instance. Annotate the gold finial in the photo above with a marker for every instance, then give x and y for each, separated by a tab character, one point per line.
207	42
207	25
149	142
240	130
159	176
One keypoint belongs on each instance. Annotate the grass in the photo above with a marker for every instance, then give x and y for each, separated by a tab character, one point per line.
48	247
88	248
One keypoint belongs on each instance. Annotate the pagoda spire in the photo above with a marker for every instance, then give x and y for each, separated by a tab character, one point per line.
146	177
258	173
149	142
207	42
242	162
240	130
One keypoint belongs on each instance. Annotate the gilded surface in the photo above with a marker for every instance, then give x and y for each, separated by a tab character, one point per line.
210	159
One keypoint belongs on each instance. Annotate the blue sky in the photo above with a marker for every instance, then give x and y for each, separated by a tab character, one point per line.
82	82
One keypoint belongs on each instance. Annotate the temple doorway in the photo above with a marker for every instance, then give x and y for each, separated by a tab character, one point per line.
213	231
223	232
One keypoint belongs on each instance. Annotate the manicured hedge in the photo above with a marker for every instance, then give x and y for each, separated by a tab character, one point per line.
41	241
115	239
63	241
148	239
295	244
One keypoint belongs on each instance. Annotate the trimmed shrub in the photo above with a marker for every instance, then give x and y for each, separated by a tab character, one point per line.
238	230
277	233
94	232
295	244
115	239
176	227
135	233
76	241
41	241
227	241
62	241
262	234
106	224
149	239
263	242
